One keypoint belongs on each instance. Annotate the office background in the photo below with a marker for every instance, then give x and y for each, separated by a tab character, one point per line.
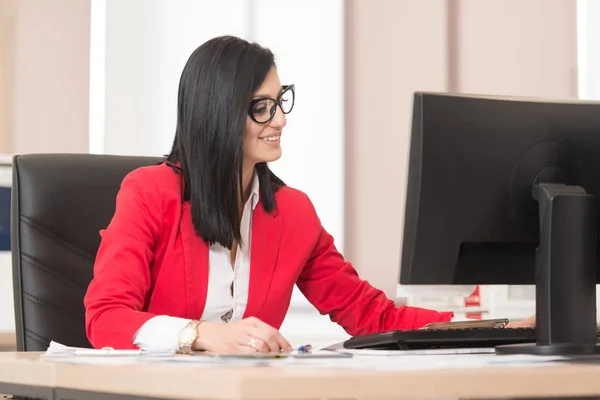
100	76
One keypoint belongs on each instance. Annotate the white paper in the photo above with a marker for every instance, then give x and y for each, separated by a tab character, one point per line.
360	360
375	362
427	362
57	349
96	360
427	352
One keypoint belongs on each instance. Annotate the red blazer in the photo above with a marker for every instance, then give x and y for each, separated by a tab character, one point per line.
151	262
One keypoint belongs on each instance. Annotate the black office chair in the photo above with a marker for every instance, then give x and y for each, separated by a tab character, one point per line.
59	204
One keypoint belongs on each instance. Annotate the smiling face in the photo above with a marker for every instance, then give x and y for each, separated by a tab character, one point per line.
262	141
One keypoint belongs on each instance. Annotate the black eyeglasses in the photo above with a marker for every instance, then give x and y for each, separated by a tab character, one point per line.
263	109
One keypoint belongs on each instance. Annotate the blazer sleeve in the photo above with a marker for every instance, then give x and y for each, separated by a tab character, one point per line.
333	286
116	296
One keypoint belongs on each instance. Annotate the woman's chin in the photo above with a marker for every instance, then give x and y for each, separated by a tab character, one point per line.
270	156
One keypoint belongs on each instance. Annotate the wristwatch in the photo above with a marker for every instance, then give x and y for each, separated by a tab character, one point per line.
187	336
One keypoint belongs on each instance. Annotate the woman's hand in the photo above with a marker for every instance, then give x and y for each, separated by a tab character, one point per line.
527	323
249	335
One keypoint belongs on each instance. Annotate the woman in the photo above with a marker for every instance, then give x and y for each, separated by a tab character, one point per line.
204	250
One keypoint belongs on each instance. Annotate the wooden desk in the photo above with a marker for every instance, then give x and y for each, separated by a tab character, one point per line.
177	381
23	374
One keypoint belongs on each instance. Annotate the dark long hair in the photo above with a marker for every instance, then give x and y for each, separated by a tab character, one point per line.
216	86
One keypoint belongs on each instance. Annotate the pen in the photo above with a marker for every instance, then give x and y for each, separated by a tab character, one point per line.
304	349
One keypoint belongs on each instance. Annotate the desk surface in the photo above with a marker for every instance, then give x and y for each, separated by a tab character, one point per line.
210	382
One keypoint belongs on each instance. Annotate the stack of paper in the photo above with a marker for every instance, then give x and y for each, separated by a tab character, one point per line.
107	355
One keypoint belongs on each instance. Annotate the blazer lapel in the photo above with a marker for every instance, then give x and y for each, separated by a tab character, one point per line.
266	234
196	266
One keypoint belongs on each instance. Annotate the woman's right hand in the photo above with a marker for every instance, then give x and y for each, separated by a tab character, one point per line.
249	335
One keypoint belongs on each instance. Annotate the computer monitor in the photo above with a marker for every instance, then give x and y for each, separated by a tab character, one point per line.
506	190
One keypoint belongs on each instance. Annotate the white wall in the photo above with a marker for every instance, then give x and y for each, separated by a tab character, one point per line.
588	38
147	44
307	39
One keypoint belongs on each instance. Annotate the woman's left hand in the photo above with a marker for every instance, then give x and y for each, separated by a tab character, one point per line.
526	323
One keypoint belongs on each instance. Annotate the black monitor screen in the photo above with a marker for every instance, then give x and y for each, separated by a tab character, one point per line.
470	216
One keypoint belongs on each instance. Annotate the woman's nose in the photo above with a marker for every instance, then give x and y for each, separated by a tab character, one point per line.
279	119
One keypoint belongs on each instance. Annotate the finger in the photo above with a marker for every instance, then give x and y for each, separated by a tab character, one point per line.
519	324
265	332
254	342
282	343
273	339
271	336
267	337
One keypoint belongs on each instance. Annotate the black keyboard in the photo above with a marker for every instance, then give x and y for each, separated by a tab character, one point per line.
442	338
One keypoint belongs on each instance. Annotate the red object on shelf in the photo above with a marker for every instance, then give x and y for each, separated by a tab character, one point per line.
473	300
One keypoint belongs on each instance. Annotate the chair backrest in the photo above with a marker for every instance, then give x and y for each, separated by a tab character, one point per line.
59	204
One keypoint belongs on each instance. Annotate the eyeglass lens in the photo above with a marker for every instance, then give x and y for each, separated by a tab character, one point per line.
265	109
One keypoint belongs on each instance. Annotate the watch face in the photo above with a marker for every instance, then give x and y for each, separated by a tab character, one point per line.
186	335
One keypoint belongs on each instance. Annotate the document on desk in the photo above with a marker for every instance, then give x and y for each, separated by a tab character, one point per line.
430	362
60	350
370	362
273	356
421	352
57	352
328	359
257	358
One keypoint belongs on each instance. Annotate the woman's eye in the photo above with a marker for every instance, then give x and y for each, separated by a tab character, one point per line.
260	110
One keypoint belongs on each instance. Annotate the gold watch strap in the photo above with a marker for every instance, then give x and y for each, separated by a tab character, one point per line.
186	347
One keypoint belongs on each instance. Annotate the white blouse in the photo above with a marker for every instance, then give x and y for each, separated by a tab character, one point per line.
161	332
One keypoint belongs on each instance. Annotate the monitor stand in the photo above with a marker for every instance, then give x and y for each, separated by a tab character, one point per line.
566	263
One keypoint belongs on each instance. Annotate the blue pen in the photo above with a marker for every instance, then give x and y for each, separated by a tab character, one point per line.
304	349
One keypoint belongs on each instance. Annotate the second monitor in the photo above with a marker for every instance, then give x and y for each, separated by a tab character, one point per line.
506	191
